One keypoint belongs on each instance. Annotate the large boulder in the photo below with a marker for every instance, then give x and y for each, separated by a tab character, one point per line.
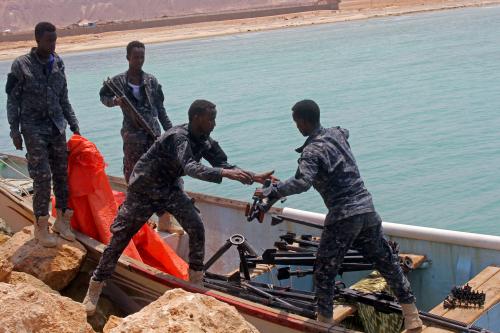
4	228
182	312
27	309
55	266
25	278
5	270
5	231
113	321
3	238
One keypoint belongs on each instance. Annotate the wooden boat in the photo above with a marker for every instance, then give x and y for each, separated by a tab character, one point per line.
445	258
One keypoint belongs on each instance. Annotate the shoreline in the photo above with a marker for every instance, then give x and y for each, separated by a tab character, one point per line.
106	40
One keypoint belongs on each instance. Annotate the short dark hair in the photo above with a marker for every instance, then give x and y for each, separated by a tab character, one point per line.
133	44
43	27
200	106
307	110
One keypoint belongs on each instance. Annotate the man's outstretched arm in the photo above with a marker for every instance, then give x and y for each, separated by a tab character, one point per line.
303	179
218	158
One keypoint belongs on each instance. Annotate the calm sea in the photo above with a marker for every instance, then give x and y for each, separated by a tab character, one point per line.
420	95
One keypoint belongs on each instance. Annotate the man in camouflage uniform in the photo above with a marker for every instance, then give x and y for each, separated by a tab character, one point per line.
327	163
38	109
145	93
156	187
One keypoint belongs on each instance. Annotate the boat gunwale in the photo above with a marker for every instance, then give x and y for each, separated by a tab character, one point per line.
467	239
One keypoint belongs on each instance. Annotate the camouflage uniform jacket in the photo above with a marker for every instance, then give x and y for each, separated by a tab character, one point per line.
38	97
175	154
327	163
150	106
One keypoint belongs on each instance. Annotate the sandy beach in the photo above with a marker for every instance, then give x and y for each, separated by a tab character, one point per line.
371	9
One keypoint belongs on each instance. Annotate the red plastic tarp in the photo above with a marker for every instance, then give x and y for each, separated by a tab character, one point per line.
95	206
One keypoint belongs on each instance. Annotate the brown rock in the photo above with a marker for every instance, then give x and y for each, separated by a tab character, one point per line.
3	238
25	278
55	266
5	270
112	322
182	312
4	228
40	312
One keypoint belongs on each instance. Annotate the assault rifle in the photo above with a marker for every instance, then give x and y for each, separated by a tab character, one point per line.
261	202
129	108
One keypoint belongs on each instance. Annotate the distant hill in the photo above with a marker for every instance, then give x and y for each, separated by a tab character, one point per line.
22	15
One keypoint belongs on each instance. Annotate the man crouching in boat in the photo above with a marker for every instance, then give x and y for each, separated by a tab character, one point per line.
156	187
327	163
38	110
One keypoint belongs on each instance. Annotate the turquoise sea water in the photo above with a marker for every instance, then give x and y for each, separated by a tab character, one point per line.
420	95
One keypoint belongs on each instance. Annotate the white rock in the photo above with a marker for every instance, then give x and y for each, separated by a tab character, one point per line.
27	309
55	266
182	312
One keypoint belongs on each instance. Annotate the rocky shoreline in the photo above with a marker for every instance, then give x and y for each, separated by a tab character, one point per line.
35	283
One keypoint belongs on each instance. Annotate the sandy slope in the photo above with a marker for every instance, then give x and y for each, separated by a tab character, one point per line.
10	50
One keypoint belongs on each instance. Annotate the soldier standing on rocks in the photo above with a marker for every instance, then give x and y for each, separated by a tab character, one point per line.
327	163
145	93
38	110
156	187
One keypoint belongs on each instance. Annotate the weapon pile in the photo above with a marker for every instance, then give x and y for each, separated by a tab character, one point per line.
301	251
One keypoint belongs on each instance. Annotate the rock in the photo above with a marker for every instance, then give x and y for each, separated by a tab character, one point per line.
5	270
3	238
183	312
54	266
27	309
25	278
113	322
4	228
77	289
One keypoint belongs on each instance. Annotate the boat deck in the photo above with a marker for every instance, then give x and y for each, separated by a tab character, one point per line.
487	281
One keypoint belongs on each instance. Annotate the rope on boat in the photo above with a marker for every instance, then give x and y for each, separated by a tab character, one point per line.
9	182
14	169
21	189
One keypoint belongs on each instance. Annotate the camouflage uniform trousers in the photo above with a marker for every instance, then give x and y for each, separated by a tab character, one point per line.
136	210
364	233
47	161
132	151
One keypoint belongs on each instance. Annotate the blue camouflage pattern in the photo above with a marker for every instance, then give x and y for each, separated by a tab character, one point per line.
136	210
39	109
156	187
136	141
38	97
175	154
363	233
327	163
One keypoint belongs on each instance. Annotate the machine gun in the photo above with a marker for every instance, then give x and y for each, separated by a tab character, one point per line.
129	108
261	202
